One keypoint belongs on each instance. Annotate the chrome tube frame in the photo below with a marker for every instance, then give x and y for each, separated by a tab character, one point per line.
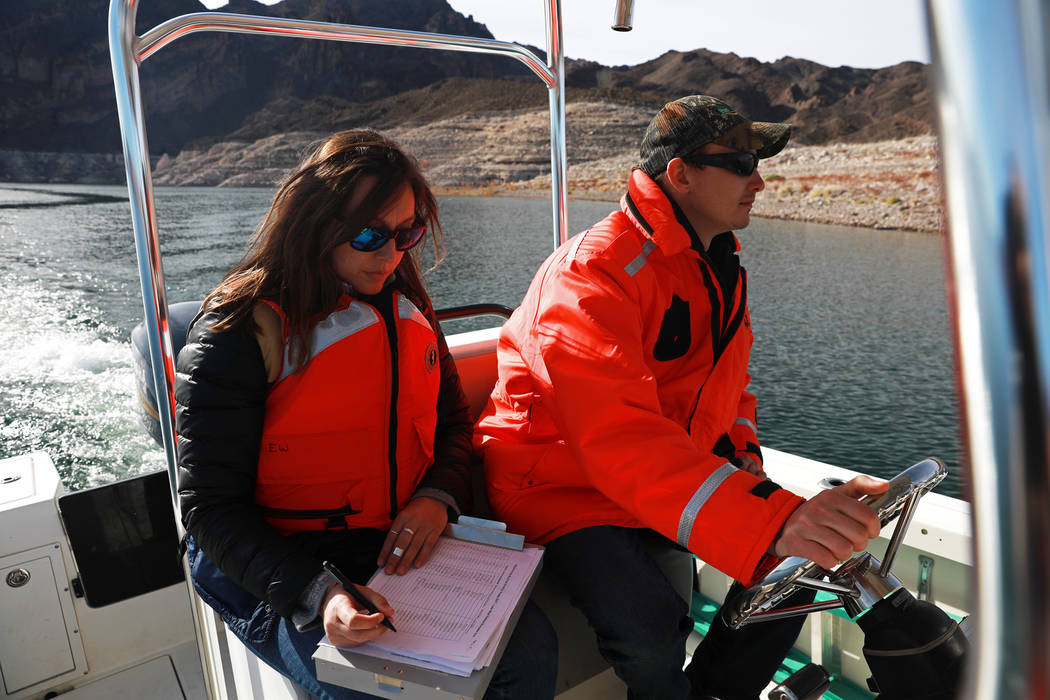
122	42
556	65
991	75
623	16
127	51
168	32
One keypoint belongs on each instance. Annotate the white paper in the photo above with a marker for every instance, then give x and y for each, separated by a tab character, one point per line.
451	612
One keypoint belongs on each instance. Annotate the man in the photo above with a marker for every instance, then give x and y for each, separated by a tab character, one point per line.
621	416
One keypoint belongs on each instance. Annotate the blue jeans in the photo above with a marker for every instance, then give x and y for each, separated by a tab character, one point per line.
642	623
527	670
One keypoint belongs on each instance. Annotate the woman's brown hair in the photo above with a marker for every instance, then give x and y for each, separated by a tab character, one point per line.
289	260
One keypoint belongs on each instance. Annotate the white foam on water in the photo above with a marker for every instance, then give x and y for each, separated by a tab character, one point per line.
67	388
63	357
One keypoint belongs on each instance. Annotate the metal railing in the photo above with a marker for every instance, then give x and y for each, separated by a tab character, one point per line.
127	51
471	310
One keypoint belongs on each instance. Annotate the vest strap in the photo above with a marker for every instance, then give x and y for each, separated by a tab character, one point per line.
335	517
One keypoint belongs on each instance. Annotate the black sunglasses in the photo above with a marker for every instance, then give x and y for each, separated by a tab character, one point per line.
740	162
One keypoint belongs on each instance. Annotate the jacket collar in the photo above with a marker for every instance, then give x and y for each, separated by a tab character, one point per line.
653	212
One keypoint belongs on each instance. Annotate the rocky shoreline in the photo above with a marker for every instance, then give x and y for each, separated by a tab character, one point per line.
884	185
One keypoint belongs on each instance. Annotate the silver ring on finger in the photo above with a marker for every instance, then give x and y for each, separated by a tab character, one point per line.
398	551
395	532
408	530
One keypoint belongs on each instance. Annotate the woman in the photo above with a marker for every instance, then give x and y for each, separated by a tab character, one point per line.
320	416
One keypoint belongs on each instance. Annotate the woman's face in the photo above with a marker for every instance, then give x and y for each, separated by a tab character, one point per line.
368	272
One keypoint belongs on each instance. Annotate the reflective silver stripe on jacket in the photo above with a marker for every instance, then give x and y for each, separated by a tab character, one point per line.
638	263
710	485
408	310
337	326
745	421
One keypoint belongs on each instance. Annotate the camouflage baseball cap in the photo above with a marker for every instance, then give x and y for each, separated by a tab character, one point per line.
688	123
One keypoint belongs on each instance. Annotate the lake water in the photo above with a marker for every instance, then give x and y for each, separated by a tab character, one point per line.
852	362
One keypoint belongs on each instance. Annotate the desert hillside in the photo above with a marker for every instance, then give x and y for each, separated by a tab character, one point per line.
889	184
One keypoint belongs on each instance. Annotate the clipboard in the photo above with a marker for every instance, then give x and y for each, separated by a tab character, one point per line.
403	680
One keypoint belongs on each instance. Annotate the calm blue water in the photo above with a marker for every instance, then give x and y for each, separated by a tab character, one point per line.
852	363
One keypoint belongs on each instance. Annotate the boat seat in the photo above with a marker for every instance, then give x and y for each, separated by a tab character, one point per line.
236	671
255	678
179	317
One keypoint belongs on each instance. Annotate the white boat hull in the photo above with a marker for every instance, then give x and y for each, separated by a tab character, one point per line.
145	646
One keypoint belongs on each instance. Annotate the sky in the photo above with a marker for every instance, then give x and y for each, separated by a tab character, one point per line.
858	33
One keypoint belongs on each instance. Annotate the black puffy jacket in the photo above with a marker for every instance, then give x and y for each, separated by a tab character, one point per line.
220	397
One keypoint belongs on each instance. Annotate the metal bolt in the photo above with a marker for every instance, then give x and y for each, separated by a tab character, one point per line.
17	578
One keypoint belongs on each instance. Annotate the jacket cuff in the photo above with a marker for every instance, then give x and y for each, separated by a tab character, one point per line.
439	495
754	449
307	613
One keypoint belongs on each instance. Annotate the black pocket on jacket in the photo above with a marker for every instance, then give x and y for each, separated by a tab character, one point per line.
674	338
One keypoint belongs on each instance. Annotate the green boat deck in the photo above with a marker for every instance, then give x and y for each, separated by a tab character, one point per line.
703	612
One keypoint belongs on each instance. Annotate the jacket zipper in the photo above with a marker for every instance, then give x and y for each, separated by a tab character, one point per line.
738	317
721	337
714	294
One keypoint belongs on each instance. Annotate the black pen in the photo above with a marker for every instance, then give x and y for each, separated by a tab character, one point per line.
357	595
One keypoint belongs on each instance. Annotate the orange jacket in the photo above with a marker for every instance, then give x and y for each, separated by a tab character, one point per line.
618	374
335	452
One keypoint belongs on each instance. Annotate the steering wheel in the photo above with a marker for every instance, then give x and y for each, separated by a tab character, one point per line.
851	580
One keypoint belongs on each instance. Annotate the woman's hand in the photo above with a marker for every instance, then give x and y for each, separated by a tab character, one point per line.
412	535
346	622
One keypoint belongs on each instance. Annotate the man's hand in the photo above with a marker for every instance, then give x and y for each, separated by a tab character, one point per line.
346	623
751	465
832	525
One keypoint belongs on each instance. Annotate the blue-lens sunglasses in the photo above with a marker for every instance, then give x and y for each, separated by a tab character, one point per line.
740	162
370	238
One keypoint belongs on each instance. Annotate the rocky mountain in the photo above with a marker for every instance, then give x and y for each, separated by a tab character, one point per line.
226	91
825	104
57	85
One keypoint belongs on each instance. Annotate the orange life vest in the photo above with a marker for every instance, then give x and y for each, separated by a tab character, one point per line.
347	438
619	373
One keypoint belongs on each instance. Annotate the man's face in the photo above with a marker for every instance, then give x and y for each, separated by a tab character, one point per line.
718	199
